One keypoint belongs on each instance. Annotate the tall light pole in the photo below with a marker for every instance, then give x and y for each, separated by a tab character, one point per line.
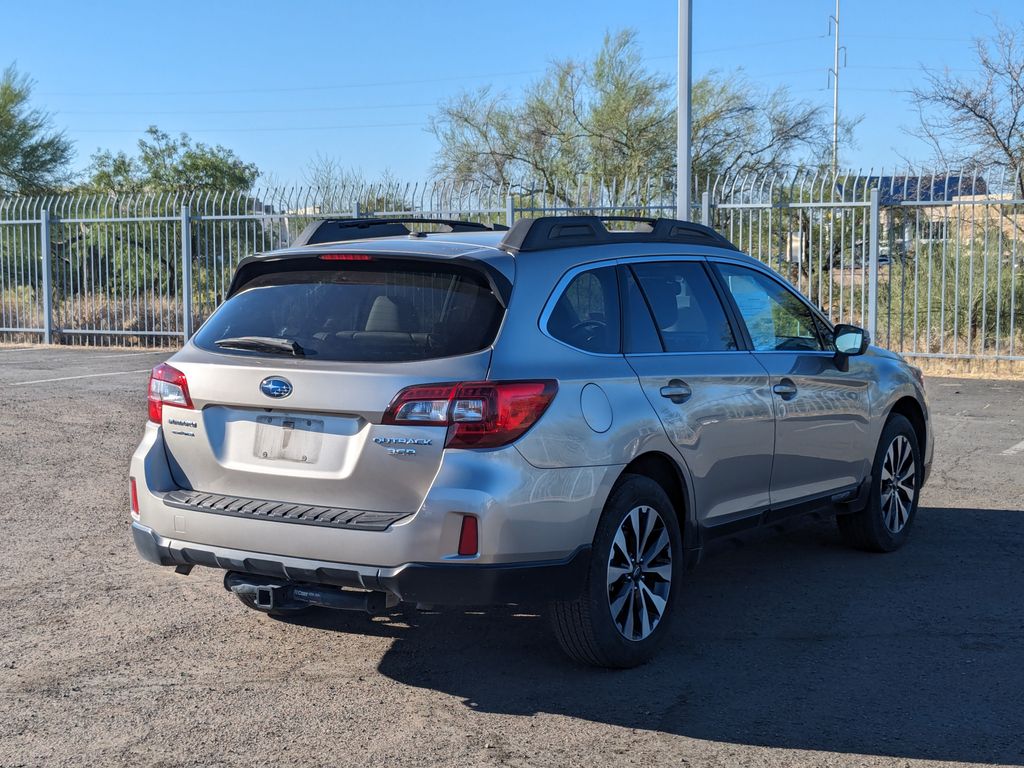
683	120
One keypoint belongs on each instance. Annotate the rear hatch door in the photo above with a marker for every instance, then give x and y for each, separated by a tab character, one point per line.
299	419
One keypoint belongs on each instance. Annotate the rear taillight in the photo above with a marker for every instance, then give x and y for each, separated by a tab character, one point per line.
485	415
133	493
167	386
478	414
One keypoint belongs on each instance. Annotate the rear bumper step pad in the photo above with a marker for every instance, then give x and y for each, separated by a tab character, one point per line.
283	512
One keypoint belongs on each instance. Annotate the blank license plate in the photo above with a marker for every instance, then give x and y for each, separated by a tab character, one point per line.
288	438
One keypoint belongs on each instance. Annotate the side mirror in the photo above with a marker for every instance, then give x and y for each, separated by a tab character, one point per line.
851	340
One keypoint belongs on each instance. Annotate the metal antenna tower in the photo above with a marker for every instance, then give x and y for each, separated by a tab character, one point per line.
834	83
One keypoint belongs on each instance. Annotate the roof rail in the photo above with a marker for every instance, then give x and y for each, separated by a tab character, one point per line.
339	230
548	232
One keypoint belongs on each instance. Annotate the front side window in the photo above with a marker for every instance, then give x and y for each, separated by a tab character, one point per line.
586	315
775	317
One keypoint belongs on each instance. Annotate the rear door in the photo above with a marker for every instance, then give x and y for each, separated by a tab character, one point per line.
290	377
712	397
822	412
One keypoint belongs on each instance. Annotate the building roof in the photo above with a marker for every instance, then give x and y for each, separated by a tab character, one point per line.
893	190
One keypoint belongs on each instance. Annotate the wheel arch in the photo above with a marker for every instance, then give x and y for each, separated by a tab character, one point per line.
666	471
911	410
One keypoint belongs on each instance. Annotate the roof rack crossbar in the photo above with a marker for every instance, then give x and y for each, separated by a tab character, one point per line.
549	232
335	230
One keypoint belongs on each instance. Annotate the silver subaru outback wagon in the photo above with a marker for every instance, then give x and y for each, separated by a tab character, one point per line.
560	413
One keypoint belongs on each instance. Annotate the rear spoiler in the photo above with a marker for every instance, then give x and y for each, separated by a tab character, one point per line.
252	267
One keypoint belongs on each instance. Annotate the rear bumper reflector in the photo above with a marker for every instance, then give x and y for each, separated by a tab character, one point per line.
281	511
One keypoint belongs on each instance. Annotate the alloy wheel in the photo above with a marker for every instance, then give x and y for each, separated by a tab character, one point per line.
899	484
639	573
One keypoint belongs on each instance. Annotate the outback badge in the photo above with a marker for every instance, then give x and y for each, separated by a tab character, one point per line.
390	444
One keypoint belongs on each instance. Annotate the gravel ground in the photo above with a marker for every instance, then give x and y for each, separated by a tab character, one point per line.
793	650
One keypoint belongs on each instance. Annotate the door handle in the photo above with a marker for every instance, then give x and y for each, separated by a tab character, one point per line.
677	391
785	389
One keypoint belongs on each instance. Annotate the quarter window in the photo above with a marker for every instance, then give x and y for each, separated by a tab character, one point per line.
586	315
775	317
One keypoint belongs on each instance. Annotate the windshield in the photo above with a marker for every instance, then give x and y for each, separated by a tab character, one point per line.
358	312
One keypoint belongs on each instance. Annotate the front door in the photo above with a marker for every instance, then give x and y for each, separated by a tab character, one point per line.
821	412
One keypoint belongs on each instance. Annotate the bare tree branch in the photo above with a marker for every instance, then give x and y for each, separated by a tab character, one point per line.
978	123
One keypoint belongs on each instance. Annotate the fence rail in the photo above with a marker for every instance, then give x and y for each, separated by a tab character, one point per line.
930	262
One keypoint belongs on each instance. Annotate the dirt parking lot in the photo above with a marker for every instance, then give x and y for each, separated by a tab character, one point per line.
793	649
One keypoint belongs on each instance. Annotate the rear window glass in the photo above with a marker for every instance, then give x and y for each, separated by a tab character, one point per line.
358	313
688	313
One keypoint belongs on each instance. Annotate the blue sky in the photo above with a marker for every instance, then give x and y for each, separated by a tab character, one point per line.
281	82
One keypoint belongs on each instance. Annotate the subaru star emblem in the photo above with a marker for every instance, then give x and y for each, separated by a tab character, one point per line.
276	386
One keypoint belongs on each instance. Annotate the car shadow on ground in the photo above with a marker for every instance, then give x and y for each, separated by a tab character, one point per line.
786	639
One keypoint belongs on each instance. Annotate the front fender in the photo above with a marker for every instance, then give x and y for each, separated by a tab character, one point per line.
894	381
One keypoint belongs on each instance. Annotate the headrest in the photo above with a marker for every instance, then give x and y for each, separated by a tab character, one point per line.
383	315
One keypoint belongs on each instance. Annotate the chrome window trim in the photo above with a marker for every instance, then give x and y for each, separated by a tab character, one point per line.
681	354
821	352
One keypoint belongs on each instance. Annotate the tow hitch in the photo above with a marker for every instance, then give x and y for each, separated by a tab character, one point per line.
274	594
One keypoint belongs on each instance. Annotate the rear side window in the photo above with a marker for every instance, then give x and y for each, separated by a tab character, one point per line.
686	309
373	312
586	315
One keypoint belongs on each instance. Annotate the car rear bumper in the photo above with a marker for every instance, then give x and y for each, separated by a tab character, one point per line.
524	514
462	583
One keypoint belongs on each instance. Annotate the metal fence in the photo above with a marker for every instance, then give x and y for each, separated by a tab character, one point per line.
930	263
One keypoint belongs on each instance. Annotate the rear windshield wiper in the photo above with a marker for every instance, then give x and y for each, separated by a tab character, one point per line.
263	344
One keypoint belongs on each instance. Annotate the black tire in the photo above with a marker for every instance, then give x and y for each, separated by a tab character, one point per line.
282	613
868	529
585	627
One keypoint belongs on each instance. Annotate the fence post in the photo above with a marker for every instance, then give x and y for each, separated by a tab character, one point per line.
705	208
186	272
44	247
355	210
510	213
873	265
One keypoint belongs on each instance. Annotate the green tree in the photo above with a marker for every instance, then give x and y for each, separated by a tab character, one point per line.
146	259
613	118
167	163
33	157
